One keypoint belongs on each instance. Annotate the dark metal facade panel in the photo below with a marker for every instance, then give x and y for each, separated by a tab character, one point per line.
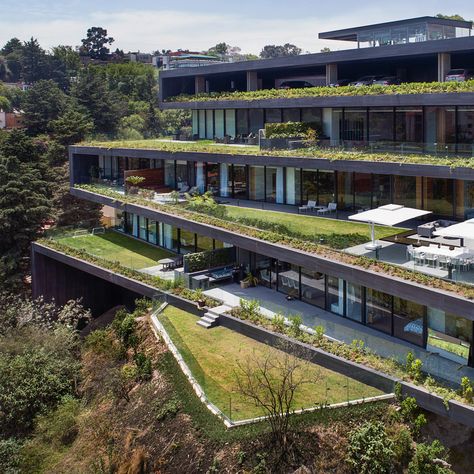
395	286
394	100
399	169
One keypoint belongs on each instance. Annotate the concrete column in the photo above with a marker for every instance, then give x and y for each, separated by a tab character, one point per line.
331	73
199	84
444	65
252	81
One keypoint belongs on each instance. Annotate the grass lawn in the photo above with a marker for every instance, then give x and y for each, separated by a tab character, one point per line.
311	225
213	356
119	248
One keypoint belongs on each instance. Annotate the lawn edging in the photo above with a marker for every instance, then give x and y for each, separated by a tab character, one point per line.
160	331
452	409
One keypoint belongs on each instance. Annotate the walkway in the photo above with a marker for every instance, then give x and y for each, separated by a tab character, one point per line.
341	329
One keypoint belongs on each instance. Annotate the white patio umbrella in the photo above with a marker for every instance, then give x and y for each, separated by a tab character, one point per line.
389	215
463	230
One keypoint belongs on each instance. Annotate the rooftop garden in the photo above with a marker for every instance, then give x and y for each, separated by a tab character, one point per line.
207	352
118	248
405	88
330	154
271	236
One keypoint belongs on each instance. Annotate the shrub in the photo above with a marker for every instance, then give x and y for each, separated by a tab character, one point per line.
402	445
10	455
250	309
430	459
466	389
413	367
318	334
144	366
195	262
101	341
278	323
125	329
141	306
291	130
206	204
370	449
295	323
410	414
134	180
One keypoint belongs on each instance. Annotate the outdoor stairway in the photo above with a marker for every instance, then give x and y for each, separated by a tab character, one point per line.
211	318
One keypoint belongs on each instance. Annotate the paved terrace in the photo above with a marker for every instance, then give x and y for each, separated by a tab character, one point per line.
341	329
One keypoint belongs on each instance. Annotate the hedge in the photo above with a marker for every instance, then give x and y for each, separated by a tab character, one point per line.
196	262
289	129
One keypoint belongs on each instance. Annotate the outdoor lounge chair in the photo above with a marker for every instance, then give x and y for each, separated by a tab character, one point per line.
310	206
331	207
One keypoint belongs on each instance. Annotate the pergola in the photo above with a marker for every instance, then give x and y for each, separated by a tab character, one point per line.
388	215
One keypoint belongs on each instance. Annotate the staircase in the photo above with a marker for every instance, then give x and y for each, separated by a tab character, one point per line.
211	318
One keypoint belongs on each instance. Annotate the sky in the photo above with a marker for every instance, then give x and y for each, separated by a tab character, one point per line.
146	25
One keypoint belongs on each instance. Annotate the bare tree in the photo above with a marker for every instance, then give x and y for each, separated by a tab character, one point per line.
272	381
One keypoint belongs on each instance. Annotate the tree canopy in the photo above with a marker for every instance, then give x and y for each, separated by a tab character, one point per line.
95	43
273	51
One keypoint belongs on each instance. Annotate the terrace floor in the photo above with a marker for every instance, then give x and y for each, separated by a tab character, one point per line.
344	330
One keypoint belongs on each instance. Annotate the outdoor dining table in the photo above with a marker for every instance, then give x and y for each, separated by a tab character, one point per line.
166	263
440	251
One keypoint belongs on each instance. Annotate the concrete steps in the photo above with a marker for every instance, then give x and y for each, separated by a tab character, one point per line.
211	318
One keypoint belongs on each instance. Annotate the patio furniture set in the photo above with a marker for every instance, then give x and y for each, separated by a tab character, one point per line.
311	206
443	257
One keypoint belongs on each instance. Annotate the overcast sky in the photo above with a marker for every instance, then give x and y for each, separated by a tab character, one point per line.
147	25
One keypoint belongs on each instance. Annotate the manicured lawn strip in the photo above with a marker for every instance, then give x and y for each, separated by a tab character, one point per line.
213	357
464	290
310	225
118	248
405	88
314	152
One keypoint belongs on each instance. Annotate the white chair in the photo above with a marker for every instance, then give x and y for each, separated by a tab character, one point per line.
309	206
331	207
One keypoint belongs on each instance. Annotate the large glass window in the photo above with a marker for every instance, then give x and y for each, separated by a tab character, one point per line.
169	237
256	120
143	225
210	124
379	310
169	174
195	122
326	187
271	184
204	243
202	124
382	190
465	199
293	186
408	320
187	241
466	130
355	125
440	129
312	115
225	180
230	125
345	190
256	183
291	115
240	181
289	279
152	232
313	287
405	191
363	188
219	123
409	125
242	122
381	121
449	335
182	175
335	295
272	115
439	196
212	178
310	185
354	301
266	270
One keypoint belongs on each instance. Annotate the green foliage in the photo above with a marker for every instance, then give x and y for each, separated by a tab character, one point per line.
319	334
168	409
263	94
71	127
95	43
249	309
423	461
101	341
37	368
5	104
290	130
10	455
413	367
295	326
206	204
466	389
24	201
42	104
370	449
410	414
195	262
275	51
144	366
126	329
142	306
278	323
134	180
403	445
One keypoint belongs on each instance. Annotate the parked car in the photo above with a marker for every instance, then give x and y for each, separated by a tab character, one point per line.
295	85
366	81
340	83
388	81
459	75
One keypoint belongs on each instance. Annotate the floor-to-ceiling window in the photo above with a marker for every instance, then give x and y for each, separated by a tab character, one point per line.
273	115
255	120
310	185
152	232
439	196
409	320
293	186
212	178
289	279
187	241
170	178
291	115
381	190
230	125
379	310
242	122
219	123
240	181
143	226
409	126
354	296
465	122
271	184
326	187
363	190
335	295
345	190
405	191
210	124
440	129
355	125
313	287
256	183
225	180
464	199
381	122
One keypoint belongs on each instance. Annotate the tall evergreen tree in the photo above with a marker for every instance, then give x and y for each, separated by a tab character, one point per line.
24	203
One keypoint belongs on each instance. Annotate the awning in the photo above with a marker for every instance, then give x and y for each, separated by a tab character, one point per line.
389	215
463	230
